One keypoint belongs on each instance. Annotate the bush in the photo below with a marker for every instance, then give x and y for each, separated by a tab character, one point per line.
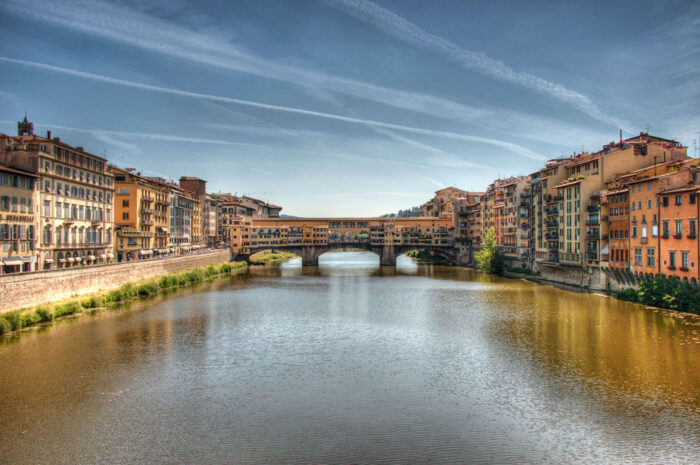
167	281
670	292
192	276
14	319
66	309
46	313
147	289
225	268
30	318
92	302
5	325
630	295
210	271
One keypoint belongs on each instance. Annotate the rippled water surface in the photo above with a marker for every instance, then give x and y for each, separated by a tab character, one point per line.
352	363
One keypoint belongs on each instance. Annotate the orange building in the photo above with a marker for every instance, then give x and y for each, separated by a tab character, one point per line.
678	214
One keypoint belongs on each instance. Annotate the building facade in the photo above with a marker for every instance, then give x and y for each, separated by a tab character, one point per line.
18	221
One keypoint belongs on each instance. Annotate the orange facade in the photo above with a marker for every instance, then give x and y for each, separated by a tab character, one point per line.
678	213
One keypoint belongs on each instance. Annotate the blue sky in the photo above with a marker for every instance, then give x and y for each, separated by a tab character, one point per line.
348	107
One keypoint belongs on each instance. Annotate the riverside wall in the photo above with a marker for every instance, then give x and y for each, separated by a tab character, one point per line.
31	289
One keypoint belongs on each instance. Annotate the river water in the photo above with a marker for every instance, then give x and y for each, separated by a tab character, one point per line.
352	363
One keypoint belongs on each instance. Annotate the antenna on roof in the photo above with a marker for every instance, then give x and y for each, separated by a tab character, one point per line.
648	128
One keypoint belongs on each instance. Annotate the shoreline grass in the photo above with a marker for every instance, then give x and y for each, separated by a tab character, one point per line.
18	319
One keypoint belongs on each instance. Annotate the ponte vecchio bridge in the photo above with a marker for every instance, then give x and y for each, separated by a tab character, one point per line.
310	238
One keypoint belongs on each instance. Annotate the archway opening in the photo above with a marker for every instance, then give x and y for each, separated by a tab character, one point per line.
272	256
349	258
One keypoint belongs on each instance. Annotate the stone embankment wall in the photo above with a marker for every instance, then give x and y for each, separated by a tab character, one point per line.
30	289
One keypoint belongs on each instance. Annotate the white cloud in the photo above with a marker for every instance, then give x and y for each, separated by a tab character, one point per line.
119	23
515	148
400	28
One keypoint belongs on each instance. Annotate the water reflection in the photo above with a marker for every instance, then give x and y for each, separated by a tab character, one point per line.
357	364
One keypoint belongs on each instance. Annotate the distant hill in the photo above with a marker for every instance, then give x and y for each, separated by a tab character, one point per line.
411	212
288	216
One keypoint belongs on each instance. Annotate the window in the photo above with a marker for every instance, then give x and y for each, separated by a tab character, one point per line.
684	259
679	200
691	198
649	203
665	202
644	231
639	205
672	259
125	216
692	228
47	209
651	260
679	227
638	256
634	231
649	186
125	203
47	236
664	228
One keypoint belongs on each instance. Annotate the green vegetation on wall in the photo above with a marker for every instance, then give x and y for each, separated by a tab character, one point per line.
18	319
665	292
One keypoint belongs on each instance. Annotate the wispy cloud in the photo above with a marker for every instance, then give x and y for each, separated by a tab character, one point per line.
118	23
402	29
512	147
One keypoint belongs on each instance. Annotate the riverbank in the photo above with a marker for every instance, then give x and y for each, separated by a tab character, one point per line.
18	319
656	293
23	290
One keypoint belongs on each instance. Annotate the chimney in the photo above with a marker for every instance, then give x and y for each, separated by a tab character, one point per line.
57	139
48	135
80	149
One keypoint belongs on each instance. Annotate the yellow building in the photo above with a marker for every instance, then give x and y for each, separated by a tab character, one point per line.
75	197
141	215
18	221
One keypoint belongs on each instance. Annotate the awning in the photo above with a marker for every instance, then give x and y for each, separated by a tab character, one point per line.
12	261
146	252
61	260
110	256
26	259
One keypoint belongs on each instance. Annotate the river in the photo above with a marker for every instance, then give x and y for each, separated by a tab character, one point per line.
349	362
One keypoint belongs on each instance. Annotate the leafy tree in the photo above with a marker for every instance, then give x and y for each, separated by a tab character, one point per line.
490	258
670	292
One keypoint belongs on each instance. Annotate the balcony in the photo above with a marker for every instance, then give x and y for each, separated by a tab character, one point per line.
683	268
146	210
691	236
592	222
677	236
593	208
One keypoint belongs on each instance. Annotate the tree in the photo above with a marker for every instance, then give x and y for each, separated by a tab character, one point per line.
490	258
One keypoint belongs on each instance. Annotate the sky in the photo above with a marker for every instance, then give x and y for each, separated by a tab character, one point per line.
348	107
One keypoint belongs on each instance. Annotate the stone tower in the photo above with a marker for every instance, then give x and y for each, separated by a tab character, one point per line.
24	127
